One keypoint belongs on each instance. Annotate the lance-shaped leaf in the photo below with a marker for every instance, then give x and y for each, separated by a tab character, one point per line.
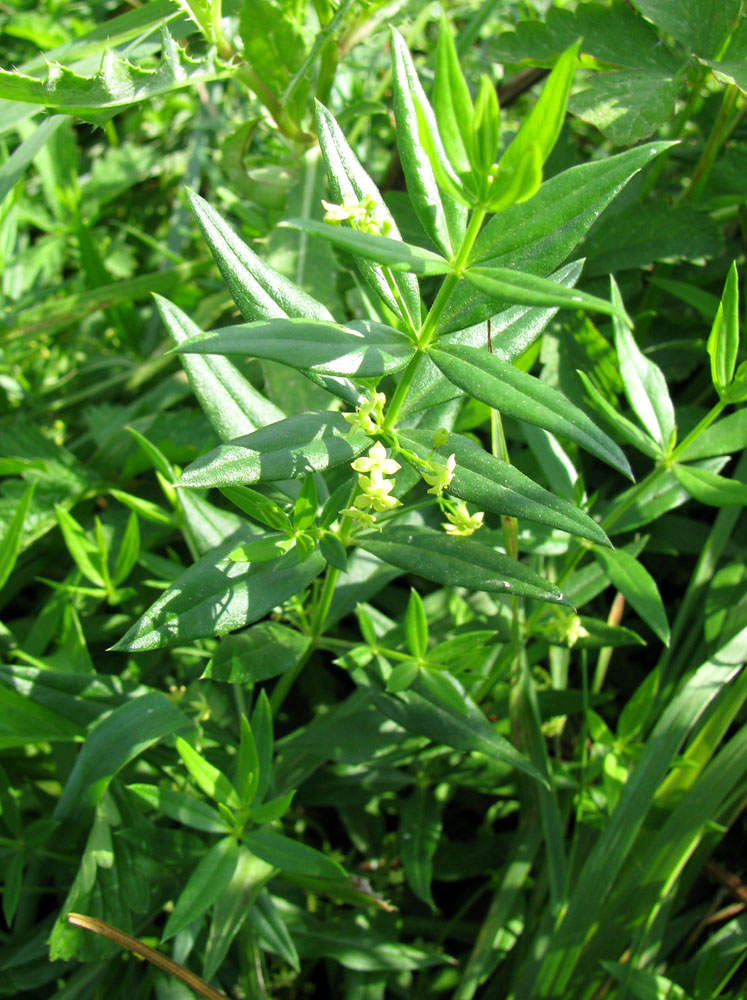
216	595
451	101
506	285
500	385
458	562
118	84
643	382
364	349
397	256
710	488
350	182
540	235
499	487
723	342
291	855
230	402
288	449
258	290
204	886
441	217
628	431
638	587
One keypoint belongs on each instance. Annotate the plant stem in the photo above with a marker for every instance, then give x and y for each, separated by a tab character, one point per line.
401	392
716	139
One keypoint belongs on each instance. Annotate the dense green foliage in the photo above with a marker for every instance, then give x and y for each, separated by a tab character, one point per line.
372	583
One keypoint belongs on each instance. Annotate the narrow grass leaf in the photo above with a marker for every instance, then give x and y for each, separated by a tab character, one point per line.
10	545
506	388
638	587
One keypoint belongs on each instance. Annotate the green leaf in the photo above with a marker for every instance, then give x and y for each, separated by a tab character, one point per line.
79	546
265	650
628	431
209	779
363	348
271	929
204	886
538	237
499	487
638	588
395	254
723	342
644	384
13	169
290	855
334	551
506	285
348	180
260	507
248	765
486	129
725	437
416	625
184	809
274	44
216	596
504	387
272	810
237	901
113	742
10	545
457	562
519	173
709	488
232	405
442	218
700	25
467	729
452	103
419	833
289	449
24	720
304	511
129	550
117	85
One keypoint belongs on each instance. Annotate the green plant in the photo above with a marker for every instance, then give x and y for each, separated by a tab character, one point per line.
492	725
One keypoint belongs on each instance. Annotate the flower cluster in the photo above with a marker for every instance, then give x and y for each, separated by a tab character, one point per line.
375	488
364	215
461	522
440	475
369	416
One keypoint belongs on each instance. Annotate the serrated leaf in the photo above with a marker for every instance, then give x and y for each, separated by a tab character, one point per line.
395	254
502	386
506	285
458	562
348	180
637	586
628	105
216	595
206	883
363	348
709	488
499	487
289	449
118	84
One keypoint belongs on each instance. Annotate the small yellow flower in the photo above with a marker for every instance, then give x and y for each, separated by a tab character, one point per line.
369	415
363	517
375	492
365	215
440	476
377	462
461	522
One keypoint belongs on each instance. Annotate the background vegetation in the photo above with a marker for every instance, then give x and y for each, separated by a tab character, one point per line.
385	781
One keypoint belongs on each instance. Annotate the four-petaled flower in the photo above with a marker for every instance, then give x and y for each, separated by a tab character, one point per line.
369	415
364	215
372	482
462	522
377	461
440	475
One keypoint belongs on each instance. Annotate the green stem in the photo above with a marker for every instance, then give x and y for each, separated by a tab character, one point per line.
698	430
401	392
716	139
